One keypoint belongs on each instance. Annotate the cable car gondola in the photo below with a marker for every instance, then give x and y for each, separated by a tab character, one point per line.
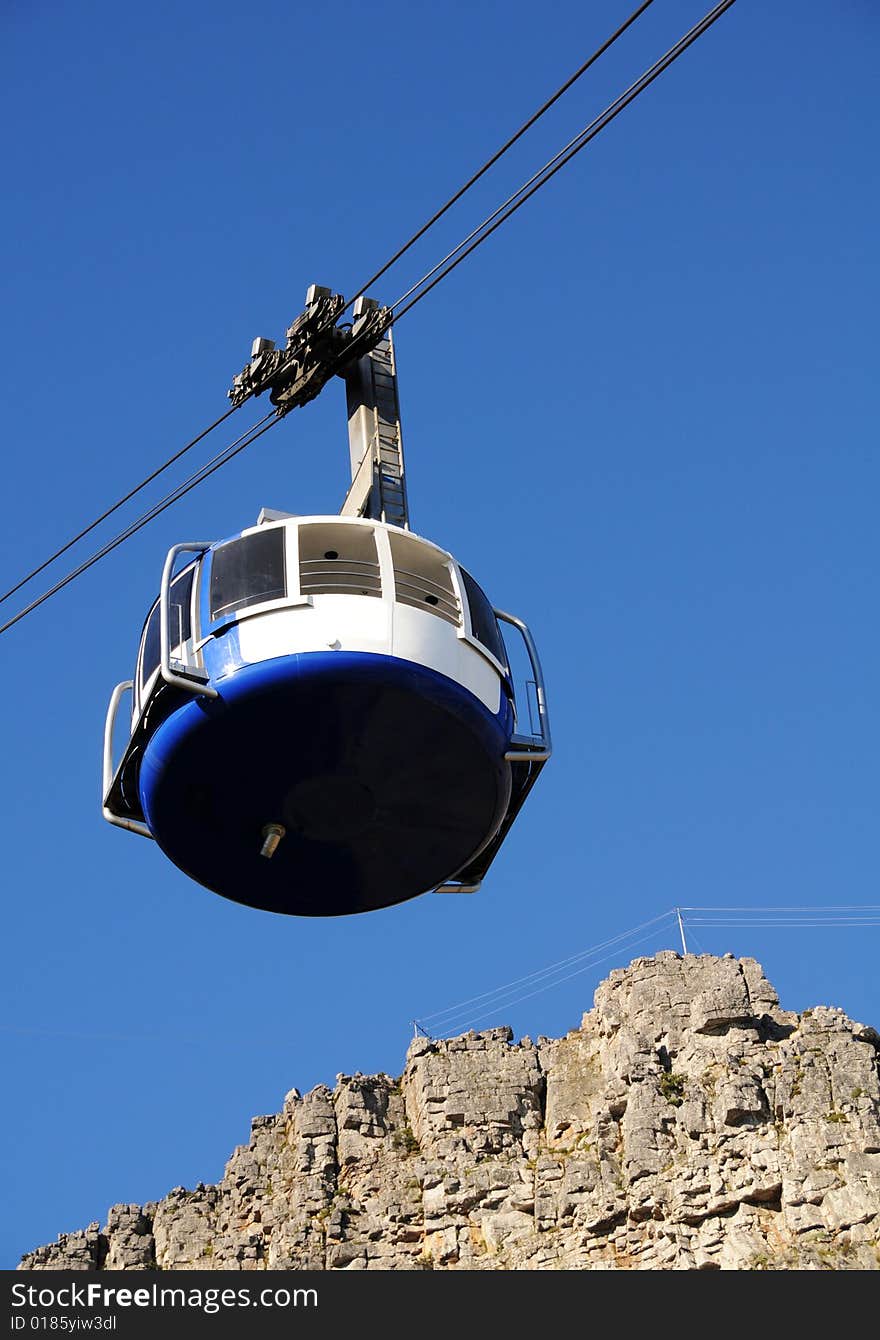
324	719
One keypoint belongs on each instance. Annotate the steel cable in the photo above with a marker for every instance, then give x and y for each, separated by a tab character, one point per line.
436	274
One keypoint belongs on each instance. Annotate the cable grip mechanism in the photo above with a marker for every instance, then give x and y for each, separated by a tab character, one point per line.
316	350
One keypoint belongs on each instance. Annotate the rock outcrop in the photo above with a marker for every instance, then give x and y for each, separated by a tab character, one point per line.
689	1122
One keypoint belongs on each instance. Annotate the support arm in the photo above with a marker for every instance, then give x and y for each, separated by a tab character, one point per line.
378	482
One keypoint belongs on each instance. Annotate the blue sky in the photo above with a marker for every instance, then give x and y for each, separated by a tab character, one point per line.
644	415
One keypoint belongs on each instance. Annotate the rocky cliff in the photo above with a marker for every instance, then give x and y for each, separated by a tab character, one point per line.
689	1122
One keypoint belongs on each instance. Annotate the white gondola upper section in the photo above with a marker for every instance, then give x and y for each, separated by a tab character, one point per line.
294	585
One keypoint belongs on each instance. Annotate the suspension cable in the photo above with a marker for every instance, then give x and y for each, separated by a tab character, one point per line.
499	153
228	452
553	165
415	294
115	507
487	1005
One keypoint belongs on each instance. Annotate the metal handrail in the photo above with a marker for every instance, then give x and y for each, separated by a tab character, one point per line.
192	679
109	772
529	749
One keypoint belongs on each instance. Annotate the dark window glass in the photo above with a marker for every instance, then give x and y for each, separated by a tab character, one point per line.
180	623
180	613
248	571
484	625
151	645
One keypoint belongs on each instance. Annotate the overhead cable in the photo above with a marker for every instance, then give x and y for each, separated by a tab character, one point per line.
401	251
35	572
233	449
414	294
540	178
439	1017
792	908
487	1005
757	922
547	986
499	153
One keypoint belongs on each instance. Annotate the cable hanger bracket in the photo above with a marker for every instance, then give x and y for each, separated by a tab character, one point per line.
316	350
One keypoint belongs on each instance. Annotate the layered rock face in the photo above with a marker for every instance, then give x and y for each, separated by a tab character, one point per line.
688	1123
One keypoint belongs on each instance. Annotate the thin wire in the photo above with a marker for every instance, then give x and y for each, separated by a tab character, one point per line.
444	1019
791	907
558	162
553	165
494	1009
541	972
233	449
401	251
548	985
214	464
498	999
499	153
35	572
828	921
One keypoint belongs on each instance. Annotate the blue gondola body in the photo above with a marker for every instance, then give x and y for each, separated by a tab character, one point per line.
340	686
